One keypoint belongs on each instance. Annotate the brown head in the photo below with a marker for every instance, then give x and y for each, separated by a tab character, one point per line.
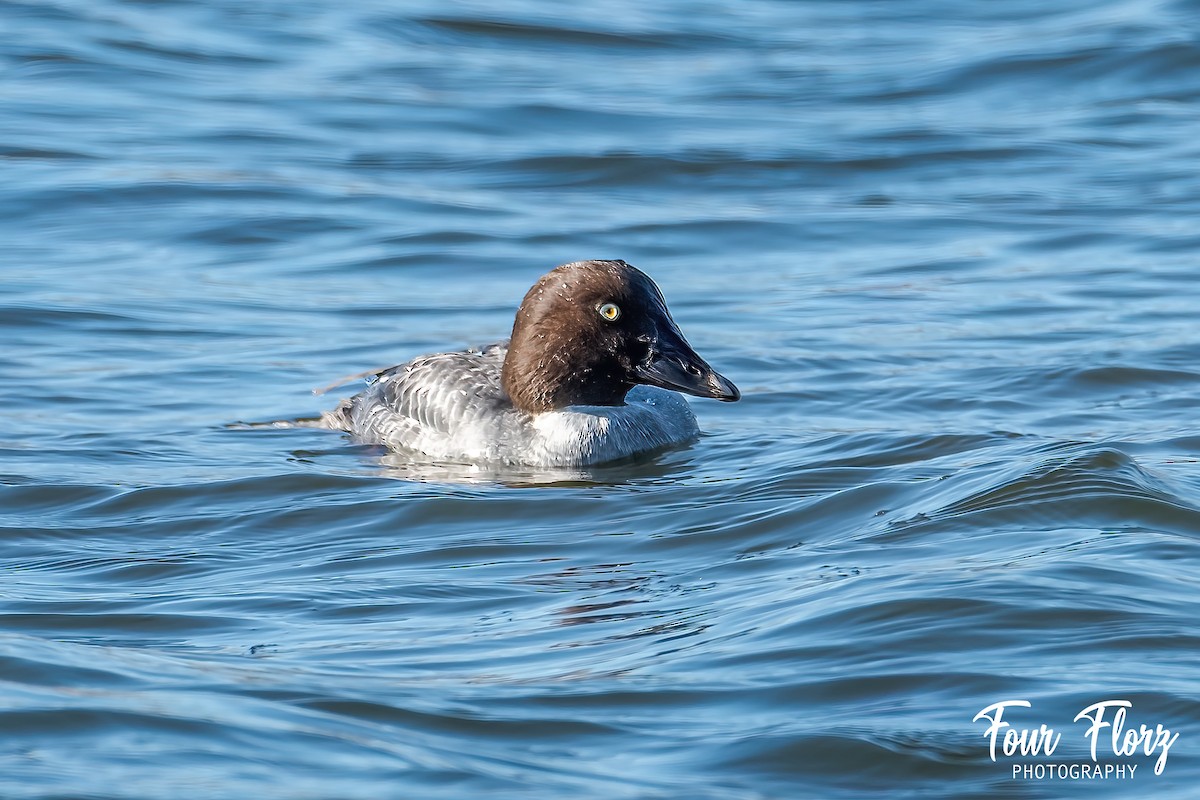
589	331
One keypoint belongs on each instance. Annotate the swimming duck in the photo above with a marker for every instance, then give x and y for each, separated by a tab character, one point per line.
590	374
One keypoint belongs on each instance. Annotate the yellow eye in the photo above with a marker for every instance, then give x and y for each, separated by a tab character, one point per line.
610	311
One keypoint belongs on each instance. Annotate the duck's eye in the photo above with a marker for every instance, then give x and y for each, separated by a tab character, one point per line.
610	311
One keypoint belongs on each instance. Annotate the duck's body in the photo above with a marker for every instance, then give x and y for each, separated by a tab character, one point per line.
451	407
565	391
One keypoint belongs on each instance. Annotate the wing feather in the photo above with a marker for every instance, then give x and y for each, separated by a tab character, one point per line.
437	393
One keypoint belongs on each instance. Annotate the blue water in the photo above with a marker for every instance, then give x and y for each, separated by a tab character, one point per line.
948	251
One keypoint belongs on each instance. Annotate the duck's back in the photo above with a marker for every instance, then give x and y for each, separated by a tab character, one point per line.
426	403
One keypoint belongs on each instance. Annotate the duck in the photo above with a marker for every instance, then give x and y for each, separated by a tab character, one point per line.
592	372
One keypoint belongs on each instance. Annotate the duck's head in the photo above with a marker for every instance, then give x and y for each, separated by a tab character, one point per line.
589	331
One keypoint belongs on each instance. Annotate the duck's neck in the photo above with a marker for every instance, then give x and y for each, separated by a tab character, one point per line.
552	383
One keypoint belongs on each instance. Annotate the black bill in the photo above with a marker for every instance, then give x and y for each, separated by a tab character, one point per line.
676	366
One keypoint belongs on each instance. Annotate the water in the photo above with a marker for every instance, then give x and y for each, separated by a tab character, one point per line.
947	251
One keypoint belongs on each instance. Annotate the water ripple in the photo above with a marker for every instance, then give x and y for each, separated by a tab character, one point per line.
947	251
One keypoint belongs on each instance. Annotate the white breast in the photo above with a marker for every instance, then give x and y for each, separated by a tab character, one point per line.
651	418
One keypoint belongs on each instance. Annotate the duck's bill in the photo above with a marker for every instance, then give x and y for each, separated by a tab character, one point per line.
686	372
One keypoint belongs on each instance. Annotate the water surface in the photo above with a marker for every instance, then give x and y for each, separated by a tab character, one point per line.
946	251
